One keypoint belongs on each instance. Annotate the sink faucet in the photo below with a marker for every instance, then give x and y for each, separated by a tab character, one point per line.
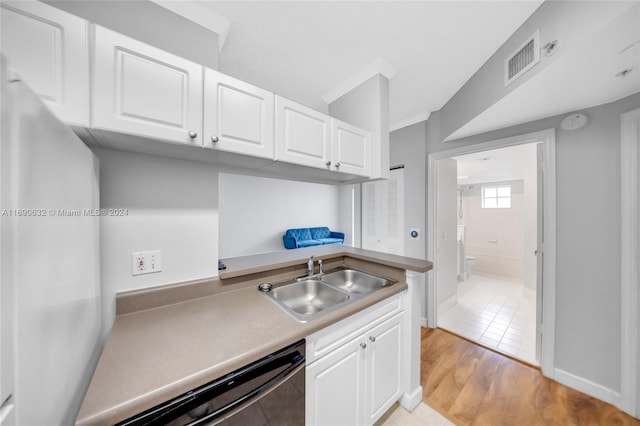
320	267
310	266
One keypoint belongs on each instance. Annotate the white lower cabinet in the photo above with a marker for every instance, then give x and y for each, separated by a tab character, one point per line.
359	380
335	388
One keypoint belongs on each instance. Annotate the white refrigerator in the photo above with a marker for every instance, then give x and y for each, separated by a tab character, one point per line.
49	262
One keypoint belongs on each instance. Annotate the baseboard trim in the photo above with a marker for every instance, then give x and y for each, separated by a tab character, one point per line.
411	400
586	386
424	323
529	294
447	304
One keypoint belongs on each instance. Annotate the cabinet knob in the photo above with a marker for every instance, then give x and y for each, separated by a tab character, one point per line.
328	163
337	165
214	139
372	338
363	345
193	134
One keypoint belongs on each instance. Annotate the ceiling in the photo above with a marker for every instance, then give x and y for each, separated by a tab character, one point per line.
496	165
308	50
583	77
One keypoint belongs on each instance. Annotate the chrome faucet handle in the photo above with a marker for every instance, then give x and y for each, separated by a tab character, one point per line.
310	266
320	267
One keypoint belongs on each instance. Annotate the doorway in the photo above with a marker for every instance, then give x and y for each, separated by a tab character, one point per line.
492	290
507	301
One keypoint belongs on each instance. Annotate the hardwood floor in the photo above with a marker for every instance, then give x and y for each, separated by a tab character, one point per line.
471	385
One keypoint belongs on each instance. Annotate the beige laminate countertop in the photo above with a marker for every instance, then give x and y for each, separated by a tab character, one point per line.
156	354
245	265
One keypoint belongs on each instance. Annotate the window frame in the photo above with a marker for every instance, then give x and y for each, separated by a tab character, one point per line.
496	204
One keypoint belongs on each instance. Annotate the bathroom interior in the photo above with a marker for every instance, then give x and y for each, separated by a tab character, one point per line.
495	302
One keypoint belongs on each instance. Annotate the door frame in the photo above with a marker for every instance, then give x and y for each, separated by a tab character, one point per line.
630	250
548	140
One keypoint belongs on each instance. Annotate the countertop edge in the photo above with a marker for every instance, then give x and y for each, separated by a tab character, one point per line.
251	264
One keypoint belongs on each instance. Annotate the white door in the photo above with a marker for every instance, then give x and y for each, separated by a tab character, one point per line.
238	117
383	367
49	49
350	149
446	239
383	214
142	90
335	387
303	135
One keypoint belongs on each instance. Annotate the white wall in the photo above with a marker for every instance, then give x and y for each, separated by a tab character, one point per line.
495	237
172	206
445	263
350	214
255	212
407	147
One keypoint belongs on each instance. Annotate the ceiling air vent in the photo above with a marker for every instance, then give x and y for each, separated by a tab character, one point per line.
523	59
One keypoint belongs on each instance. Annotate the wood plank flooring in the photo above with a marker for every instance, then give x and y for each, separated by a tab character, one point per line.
471	385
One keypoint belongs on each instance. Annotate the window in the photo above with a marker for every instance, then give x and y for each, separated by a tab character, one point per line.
496	197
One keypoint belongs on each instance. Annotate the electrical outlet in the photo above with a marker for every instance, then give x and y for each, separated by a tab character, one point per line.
146	262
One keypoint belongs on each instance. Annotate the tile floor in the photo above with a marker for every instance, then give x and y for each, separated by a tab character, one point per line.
423	415
494	312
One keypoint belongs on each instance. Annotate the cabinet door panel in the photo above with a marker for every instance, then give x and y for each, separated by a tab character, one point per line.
145	91
334	388
384	367
303	136
49	50
239	115
351	149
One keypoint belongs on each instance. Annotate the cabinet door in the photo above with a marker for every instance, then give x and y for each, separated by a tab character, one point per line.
142	90
383	367
334	388
351	148
303	136
238	117
49	49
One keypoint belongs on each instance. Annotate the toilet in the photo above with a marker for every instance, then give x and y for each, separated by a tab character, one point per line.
469	261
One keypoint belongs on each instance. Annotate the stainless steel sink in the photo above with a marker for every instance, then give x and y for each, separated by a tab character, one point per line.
354	281
306	298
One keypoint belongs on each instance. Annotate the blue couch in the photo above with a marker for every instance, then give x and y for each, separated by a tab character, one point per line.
307	237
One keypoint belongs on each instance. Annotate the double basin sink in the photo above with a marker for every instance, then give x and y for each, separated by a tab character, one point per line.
310	296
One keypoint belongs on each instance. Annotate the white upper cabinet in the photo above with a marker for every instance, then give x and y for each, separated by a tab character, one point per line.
350	148
238	117
303	135
310	138
49	49
145	91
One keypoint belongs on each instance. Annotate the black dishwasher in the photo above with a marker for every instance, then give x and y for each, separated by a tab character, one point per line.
269	391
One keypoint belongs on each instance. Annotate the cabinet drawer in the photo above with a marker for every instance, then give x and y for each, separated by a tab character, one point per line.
336	335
